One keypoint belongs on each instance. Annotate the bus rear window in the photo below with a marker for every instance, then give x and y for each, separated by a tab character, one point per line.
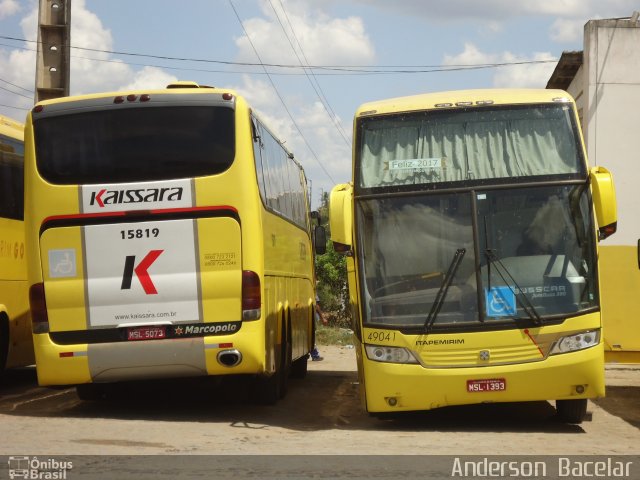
135	144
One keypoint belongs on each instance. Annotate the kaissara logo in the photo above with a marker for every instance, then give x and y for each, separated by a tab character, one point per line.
104	197
141	272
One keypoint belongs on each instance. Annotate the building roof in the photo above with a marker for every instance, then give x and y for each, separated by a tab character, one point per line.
565	70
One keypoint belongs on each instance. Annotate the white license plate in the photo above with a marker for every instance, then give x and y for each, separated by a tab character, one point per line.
146	333
487	385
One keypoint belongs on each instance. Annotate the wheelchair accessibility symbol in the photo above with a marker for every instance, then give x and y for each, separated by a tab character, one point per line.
62	263
500	301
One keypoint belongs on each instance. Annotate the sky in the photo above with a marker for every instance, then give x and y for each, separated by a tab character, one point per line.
360	51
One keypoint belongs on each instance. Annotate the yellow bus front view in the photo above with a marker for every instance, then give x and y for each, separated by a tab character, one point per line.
471	239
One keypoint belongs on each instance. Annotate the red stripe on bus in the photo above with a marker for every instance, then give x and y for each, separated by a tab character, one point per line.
123	213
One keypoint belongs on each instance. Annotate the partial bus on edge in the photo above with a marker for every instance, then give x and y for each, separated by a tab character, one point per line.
471	234
171	238
16	346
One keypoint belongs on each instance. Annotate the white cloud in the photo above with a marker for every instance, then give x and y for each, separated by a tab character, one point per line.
456	10
568	16
103	73
534	75
91	71
567	30
149	78
318	129
324	40
8	8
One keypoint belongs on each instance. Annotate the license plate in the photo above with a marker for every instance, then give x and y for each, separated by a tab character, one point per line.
487	385
146	333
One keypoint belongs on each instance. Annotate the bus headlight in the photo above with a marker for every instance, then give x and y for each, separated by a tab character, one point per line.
577	341
386	354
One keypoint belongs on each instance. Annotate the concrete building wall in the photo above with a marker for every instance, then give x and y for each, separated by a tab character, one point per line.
611	91
607	92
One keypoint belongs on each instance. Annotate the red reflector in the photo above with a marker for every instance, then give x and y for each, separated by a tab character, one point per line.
66	354
132	98
608	230
227	96
225	345
251	297
38	304
118	100
38	109
145	97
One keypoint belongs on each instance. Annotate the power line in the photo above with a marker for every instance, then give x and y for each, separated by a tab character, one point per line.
295	124
319	92
17	86
10	106
358	69
11	91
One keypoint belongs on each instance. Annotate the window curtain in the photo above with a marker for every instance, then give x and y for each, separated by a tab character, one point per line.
467	148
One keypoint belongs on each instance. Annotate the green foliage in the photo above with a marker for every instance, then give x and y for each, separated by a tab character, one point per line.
334	336
331	272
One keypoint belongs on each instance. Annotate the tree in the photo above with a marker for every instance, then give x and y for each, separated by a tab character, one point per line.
331	272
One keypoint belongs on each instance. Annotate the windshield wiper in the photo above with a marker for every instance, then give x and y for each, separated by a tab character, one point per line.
444	287
523	300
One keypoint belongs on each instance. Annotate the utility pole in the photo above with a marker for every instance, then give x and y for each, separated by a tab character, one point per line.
53	57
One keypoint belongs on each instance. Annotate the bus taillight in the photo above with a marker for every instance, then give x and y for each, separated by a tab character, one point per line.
39	318
251	297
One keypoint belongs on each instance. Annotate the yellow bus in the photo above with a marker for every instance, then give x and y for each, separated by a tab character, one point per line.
171	237
472	251
16	347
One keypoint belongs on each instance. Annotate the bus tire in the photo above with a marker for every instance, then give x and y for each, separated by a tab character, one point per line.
299	367
572	411
267	388
287	352
90	392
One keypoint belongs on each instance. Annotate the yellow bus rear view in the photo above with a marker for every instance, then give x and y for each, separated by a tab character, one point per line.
16	347
171	238
472	251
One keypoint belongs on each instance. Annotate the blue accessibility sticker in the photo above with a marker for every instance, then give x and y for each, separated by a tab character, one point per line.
500	301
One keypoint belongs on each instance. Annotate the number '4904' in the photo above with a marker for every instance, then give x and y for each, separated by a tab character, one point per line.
381	336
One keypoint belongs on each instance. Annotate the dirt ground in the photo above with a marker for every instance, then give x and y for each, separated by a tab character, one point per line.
320	415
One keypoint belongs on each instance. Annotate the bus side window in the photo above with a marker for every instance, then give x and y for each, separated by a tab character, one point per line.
11	182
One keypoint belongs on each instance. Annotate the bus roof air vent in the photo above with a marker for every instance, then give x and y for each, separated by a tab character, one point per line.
186	84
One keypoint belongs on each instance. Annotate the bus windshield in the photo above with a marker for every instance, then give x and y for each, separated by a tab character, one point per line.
135	144
512	266
454	145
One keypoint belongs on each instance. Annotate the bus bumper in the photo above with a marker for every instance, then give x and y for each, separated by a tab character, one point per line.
393	387
122	361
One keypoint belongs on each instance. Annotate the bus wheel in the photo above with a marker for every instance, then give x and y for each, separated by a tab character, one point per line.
90	391
267	389
572	411
286	364
299	367
270	389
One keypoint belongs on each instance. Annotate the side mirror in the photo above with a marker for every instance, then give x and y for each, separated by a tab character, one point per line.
604	201
341	217
320	240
